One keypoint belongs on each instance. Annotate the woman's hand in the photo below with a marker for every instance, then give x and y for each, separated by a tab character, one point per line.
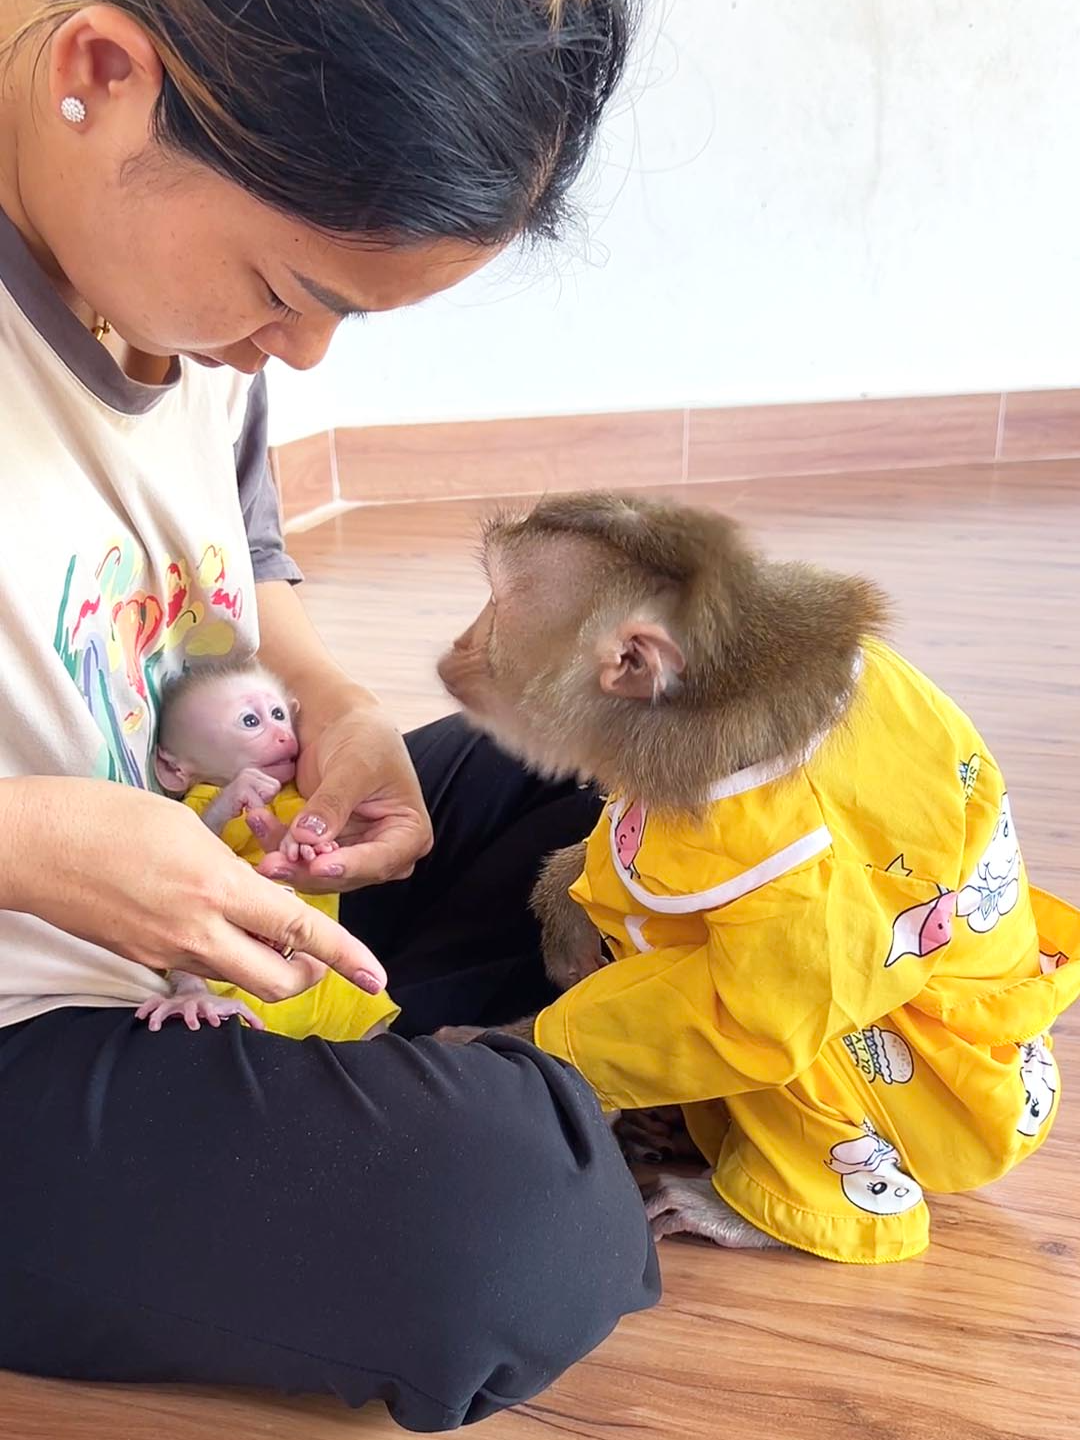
362	793
143	877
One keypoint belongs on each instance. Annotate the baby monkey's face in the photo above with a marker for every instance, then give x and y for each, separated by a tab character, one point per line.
230	725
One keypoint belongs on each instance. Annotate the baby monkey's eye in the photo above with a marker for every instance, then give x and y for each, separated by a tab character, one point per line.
277	713
250	720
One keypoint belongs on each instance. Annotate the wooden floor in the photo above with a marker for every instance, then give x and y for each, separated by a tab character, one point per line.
979	1339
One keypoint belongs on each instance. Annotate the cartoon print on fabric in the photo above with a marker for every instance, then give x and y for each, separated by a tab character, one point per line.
629	833
922	929
1048	963
994	887
870	1174
969	773
121	632
1039	1075
881	1055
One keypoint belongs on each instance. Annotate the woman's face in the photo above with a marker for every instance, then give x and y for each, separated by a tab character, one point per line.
193	265
178	259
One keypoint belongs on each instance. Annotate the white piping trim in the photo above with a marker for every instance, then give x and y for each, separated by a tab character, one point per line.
634	925
771	868
756	775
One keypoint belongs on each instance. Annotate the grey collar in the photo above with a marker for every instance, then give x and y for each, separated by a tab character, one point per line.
87	359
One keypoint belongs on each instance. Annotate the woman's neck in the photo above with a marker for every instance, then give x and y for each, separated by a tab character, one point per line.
17	103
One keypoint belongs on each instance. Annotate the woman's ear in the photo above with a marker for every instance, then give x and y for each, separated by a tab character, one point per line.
100	55
639	660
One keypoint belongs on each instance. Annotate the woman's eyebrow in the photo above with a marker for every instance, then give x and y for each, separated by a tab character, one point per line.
330	299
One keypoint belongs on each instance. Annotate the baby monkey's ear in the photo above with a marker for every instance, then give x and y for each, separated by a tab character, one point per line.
172	774
639	660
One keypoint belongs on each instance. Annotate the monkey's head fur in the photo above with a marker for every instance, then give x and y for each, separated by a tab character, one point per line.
645	646
221	718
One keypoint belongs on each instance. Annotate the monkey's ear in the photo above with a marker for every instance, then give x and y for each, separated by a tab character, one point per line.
172	774
639	660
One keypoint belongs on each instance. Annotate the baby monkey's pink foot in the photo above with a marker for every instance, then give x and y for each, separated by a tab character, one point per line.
294	852
194	1009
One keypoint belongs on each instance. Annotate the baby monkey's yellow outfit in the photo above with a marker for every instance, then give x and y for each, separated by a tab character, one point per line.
840	972
334	1008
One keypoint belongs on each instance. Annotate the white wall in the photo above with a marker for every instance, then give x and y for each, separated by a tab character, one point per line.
797	201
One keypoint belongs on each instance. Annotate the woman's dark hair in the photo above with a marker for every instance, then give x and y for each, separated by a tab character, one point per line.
414	119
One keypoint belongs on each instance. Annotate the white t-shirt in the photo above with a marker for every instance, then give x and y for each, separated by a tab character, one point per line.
135	521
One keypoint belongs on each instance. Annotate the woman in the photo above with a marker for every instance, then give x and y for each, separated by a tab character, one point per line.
187	188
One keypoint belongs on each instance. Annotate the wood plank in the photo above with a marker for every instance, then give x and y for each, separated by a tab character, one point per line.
1040	424
509	457
304	473
396	463
845	436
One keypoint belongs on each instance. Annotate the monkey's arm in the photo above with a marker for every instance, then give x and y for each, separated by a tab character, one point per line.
249	792
782	972
570	943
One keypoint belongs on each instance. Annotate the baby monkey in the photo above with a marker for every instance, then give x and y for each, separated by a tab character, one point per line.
823	944
227	745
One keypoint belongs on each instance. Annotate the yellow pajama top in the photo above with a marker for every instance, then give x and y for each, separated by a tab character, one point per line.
881	871
334	1009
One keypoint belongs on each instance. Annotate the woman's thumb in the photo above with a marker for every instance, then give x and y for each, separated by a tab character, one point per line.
323	816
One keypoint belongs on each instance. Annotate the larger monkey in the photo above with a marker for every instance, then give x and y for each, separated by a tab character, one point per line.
826	947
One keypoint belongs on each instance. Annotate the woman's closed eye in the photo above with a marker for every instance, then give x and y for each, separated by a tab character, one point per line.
279	306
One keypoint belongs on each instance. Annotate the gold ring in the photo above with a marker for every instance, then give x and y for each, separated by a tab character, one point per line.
287	952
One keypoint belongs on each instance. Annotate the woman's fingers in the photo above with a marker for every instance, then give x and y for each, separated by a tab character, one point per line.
386	857
329	807
287	922
252	965
391	842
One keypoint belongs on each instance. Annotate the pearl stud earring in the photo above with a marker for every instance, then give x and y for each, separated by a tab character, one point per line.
73	110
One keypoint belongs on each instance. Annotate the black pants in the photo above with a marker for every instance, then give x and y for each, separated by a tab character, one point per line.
457	938
447	1229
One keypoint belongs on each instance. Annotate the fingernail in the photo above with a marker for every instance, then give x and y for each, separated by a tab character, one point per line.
257	826
369	983
313	824
334	870
280	874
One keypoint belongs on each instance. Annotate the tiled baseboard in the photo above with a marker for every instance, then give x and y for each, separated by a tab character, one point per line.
385	464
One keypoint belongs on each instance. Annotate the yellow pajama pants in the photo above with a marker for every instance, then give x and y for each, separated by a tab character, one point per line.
838	1161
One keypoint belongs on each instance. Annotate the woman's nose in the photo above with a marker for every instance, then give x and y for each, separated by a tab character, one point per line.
300	346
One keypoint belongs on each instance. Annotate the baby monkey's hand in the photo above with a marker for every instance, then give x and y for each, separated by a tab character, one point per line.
251	789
